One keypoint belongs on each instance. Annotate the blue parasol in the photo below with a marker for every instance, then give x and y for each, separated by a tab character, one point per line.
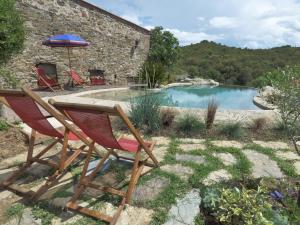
66	40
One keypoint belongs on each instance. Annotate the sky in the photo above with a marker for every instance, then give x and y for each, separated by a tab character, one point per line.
239	23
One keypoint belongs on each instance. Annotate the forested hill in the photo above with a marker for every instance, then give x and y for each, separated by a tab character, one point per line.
233	65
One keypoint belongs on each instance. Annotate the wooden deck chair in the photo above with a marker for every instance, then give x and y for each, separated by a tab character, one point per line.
94	121
27	105
43	81
76	78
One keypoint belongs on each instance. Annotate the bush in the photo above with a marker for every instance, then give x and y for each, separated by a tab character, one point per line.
190	124
232	130
259	124
145	112
9	78
210	114
153	73
243	207
15	211
167	117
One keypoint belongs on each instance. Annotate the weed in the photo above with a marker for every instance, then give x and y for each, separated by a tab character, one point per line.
232	130
15	211
259	124
210	114
3	125
190	124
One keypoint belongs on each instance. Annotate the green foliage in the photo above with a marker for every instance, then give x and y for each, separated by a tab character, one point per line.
9	78
40	213
164	47
232	130
232	65
245	206
210	114
12	33
190	124
3	125
211	199
276	217
15	211
153	73
145	112
287	96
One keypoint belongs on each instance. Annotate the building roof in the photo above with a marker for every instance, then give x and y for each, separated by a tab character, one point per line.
96	8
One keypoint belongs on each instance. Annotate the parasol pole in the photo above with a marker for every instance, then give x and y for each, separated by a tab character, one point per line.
69	58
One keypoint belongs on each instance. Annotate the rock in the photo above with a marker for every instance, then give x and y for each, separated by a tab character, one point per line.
150	189
161	140
226	158
297	167
228	144
182	171
26	219
288	155
60	202
263	166
192	140
272	144
190	158
216	177
185	210
191	147
135	216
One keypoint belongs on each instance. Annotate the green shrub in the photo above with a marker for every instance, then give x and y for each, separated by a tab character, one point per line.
190	124
243	206
211	199
145	112
3	125
9	79
15	211
40	213
232	130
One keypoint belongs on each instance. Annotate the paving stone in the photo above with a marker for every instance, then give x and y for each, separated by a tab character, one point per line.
161	140
135	216
60	202
227	158
272	144
26	219
185	210
192	140
297	167
150	189
217	176
228	144
190	158
182	171
160	152
262	165
288	155
191	147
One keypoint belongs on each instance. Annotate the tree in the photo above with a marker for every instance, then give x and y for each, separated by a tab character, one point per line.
12	36
164	47
12	33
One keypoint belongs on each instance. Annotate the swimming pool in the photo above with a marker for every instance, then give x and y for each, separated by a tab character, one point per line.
227	97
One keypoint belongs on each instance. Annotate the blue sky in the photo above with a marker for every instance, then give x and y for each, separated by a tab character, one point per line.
251	23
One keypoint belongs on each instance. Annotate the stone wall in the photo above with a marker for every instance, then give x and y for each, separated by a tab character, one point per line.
117	46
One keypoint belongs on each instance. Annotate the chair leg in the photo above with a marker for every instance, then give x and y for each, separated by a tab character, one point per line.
64	151
31	146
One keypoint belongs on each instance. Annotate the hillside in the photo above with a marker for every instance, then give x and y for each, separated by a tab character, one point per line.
232	65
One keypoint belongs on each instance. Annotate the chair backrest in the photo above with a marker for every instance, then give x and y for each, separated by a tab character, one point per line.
95	123
43	80
29	112
75	76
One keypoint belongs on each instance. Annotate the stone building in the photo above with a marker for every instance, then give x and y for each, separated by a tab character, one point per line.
116	45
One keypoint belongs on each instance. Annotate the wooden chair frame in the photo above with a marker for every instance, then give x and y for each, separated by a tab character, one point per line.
47	84
87	180
64	161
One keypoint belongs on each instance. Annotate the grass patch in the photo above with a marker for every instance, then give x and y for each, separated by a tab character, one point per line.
14	211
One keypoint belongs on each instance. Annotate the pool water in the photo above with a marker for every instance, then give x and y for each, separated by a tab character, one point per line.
193	96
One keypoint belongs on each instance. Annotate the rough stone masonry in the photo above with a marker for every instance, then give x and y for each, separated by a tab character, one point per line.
117	46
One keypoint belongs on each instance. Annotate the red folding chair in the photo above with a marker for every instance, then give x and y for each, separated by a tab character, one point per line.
27	105
95	122
76	79
43	81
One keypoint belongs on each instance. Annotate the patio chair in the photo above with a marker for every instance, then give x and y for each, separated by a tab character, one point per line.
45	82
32	110
95	122
296	141
75	78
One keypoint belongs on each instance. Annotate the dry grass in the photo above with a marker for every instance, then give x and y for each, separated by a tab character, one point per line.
211	114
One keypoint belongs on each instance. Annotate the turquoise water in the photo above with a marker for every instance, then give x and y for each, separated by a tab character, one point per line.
191	97
199	96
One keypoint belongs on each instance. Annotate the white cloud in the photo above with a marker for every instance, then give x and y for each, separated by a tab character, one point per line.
132	18
223	22
186	38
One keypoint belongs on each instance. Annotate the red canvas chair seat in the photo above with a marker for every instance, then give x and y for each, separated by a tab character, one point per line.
75	77
130	145
43	81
